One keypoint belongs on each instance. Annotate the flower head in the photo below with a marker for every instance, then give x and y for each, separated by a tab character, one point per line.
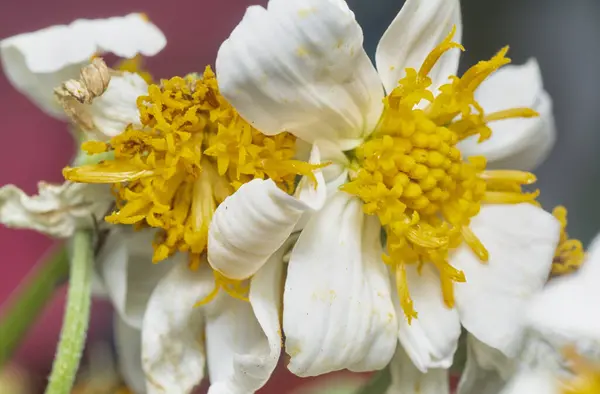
423	162
191	152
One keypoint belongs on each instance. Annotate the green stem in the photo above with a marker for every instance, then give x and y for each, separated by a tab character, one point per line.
76	319
29	300
379	383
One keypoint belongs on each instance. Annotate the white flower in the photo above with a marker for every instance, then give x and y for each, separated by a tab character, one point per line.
299	66
36	63
564	316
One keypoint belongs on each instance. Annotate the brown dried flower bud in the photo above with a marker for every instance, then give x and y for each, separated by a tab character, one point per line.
93	81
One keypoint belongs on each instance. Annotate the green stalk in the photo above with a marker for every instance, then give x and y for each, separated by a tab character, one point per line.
77	316
379	383
29	300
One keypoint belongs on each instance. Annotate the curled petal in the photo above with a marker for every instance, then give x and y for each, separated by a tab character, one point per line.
250	225
57	210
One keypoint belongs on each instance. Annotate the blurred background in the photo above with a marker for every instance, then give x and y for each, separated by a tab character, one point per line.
562	35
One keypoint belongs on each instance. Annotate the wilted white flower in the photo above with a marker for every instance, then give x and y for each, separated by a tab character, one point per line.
299	66
37	63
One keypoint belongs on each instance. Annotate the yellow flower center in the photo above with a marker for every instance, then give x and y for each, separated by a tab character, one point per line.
135	65
569	254
192	151
587	375
411	174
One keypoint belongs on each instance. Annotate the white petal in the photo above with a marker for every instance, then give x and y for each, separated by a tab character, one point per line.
431	339
250	225
244	339
515	143
337	308
566	312
128	274
480	375
57	210
117	107
521	240
300	67
335	174
418	28
172	338
35	63
128	343
407	379
530	382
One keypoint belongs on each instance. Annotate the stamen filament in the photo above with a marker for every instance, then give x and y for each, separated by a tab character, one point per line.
509	198
511	113
518	177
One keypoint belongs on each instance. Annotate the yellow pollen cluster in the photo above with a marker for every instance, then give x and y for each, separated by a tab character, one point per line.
411	174
192	151
587	375
569	254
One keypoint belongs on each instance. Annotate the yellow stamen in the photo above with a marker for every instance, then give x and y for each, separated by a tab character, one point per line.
412	175
569	255
235	288
438	51
192	151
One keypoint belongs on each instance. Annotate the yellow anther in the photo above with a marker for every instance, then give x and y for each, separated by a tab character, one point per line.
435	55
569	254
412	175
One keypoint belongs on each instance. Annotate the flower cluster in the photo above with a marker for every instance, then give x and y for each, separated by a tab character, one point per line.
301	198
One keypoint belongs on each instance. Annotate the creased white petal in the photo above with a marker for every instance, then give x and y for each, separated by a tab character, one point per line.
117	107
431	339
481	374
530	382
418	28
129	277
300	67
172	338
337	308
57	210
566	312
515	143
128	343
407	379
250	225
244	339
521	240
35	63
